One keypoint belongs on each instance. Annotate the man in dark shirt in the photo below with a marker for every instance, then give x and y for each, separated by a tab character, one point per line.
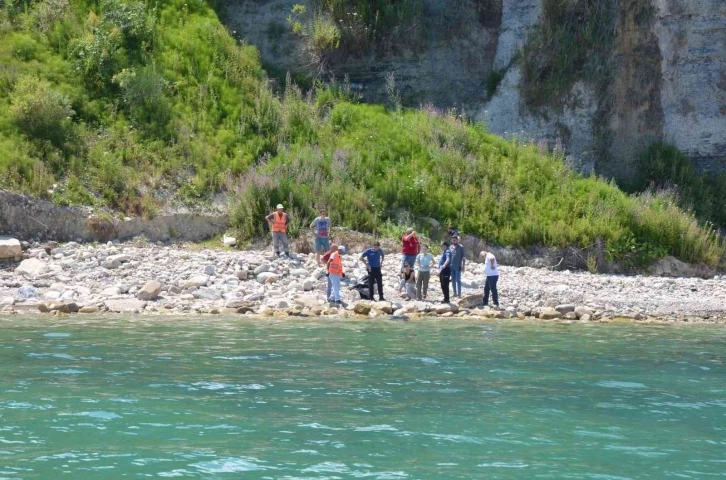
445	270
458	262
373	258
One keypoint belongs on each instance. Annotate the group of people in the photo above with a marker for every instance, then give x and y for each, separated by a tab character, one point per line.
416	261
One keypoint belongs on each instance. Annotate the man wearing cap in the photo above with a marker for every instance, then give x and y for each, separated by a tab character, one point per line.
324	261
409	247
278	222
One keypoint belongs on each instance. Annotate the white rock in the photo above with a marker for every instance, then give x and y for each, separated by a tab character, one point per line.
266	277
265	267
299	272
229	241
31	268
127	305
115	261
309	285
10	248
197	281
7	301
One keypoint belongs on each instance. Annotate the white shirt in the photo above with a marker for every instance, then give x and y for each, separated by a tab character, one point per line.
490	271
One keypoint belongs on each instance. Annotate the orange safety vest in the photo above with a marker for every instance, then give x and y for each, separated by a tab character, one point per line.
279	223
335	265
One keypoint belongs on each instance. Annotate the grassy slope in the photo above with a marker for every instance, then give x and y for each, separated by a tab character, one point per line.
164	102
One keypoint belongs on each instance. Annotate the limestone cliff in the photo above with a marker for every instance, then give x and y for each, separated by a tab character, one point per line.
664	78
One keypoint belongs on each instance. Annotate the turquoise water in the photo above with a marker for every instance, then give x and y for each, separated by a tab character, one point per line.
220	398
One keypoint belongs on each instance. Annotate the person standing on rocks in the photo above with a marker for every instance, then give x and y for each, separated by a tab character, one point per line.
373	258
491	270
445	270
324	261
458	263
278	222
409	247
321	229
423	261
335	273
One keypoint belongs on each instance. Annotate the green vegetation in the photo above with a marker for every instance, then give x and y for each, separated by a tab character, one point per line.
571	43
663	167
494	78
135	102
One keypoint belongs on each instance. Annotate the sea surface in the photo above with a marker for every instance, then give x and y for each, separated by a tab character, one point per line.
222	398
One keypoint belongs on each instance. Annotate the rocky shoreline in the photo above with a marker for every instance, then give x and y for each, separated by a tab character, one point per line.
157	279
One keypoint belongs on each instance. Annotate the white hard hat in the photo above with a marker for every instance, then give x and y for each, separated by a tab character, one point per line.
279	205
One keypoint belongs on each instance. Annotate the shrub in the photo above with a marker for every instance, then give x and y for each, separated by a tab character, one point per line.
41	112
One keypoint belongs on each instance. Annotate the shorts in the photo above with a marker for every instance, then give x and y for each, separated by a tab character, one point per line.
322	244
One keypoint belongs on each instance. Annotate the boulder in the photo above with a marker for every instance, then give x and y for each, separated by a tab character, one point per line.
27	291
581	311
549	313
363	307
237	303
31	268
586	318
111	291
197	281
444	308
241	274
385	307
10	301
565	308
229	241
570	316
265	267
266	277
64	307
150	291
115	261
307	301
210	270
299	272
125	305
10	248
308	284
89	309
470	301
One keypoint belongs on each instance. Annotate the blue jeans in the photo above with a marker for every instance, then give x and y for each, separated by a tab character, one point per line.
328	289
335	283
410	259
456	280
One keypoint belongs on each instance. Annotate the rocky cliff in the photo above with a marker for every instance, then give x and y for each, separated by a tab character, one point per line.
663	77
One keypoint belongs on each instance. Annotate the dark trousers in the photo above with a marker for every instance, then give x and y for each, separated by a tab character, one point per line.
491	284
445	278
374	276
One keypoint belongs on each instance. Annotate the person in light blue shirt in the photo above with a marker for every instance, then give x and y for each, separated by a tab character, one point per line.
423	263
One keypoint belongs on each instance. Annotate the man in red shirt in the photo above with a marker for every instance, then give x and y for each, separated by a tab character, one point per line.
409	247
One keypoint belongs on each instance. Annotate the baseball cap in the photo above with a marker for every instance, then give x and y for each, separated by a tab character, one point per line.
341	249
279	205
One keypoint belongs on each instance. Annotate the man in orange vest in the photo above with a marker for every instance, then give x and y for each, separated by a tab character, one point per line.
278	222
335	273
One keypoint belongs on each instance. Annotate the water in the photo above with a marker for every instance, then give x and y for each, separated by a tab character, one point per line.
298	399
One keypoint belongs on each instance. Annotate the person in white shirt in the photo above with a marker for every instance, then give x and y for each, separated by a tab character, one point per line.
491	270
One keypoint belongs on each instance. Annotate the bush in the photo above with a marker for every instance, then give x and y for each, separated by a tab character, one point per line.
41	112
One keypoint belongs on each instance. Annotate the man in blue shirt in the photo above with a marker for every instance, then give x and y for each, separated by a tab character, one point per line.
445	270
373	258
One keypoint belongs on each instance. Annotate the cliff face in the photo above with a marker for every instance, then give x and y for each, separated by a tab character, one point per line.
666	74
